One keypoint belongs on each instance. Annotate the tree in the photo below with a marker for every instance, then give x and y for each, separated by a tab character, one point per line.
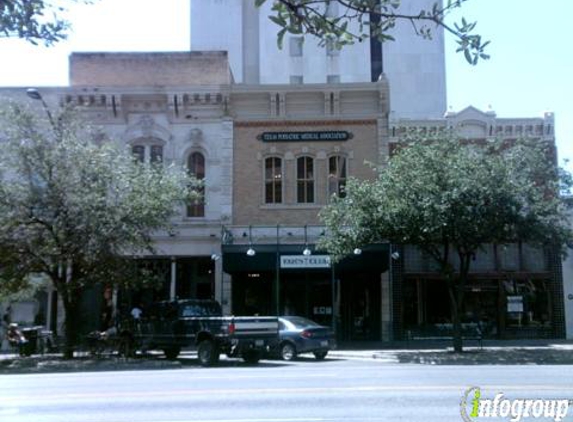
34	20
375	19
450	198
76	207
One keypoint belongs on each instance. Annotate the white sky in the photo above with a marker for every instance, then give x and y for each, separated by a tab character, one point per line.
529	71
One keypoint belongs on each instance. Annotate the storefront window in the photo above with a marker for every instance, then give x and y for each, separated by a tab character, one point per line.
527	303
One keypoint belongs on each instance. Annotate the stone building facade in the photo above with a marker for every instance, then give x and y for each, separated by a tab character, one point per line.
271	157
515	290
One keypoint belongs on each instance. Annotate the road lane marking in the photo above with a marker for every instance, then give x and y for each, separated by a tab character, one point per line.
22	400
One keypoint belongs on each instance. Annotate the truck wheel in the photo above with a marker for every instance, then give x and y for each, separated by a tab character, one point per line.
207	353
251	356
126	346
320	355
288	351
172	352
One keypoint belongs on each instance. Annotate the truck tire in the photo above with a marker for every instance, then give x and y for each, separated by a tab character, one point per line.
171	353
320	355
207	353
251	356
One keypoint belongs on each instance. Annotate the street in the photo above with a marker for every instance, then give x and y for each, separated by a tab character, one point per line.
350	390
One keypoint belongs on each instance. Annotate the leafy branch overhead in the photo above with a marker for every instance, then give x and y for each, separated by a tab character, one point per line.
343	22
36	21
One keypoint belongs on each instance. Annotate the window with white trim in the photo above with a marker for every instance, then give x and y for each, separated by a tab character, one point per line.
336	175
305	180
273	180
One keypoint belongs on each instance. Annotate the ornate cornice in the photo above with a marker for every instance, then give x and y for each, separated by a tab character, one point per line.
291	123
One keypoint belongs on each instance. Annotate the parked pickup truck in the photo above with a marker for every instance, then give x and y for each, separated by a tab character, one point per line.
170	326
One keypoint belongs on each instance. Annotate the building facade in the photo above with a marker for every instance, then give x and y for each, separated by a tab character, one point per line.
271	156
413	66
515	290
171	108
295	147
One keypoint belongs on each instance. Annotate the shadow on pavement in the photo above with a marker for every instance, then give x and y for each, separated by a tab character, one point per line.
510	356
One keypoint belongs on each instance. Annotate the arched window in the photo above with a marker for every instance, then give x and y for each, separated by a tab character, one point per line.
273	180
196	168
305	180
336	175
146	150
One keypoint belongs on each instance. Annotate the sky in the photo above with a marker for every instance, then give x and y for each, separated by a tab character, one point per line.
529	71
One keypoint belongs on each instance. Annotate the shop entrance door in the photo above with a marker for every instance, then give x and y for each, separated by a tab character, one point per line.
360	307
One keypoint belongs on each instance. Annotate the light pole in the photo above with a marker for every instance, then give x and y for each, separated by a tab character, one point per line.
34	94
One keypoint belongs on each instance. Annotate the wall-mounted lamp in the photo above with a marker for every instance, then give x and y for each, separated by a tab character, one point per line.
251	251
395	255
306	251
215	257
357	251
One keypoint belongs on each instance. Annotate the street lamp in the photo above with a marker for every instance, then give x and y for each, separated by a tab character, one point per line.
34	94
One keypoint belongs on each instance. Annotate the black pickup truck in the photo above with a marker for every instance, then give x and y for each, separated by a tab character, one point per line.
171	326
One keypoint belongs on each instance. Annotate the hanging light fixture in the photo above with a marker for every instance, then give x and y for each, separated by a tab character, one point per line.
306	251
251	251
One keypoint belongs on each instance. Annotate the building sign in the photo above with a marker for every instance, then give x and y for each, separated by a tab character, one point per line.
331	135
302	261
515	304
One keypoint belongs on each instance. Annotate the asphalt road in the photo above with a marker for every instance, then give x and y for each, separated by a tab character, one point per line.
356	390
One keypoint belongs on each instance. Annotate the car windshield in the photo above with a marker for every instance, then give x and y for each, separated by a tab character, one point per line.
300	322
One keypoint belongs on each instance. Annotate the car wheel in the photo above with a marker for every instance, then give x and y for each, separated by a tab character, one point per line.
251	356
288	351
320	355
207	353
172	352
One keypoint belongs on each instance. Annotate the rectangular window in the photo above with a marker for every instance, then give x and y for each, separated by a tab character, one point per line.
296	79
273	180
333	79
336	175
295	46
305	180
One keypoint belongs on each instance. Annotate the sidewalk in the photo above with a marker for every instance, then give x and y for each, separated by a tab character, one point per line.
494	352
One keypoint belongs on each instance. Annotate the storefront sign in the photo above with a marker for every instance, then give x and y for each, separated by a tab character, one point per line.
301	261
330	135
515	304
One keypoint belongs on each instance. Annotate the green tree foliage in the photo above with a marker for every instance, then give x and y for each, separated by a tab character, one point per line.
74	206
449	198
373	18
36	21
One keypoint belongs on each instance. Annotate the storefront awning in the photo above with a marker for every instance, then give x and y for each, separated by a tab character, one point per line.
268	258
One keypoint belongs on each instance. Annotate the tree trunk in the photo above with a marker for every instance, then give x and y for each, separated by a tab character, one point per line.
456	319
71	318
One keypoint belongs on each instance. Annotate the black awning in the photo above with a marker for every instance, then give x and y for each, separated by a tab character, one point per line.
236	260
